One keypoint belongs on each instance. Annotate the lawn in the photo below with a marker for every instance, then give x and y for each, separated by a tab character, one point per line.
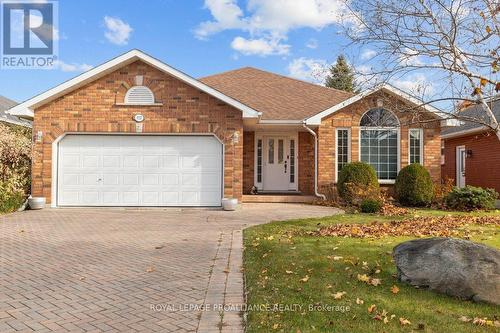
299	282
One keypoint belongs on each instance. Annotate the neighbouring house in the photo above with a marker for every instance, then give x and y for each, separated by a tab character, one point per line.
8	119
471	152
137	132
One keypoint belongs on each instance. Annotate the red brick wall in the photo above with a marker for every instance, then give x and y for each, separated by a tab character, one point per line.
306	163
350	117
483	168
93	108
248	161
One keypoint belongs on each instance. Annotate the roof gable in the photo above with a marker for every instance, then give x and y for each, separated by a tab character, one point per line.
316	119
26	108
6	104
478	112
277	97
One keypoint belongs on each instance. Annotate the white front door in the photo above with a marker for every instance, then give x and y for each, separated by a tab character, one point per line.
461	155
276	163
139	170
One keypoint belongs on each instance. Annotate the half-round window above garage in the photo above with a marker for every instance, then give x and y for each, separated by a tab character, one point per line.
139	95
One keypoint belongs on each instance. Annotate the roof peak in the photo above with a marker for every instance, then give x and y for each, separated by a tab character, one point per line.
276	74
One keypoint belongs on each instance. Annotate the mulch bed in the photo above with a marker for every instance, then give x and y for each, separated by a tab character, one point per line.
443	226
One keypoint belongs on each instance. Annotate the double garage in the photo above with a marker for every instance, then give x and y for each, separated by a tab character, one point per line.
138	170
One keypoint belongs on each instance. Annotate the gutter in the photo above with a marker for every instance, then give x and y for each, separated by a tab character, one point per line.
322	196
471	131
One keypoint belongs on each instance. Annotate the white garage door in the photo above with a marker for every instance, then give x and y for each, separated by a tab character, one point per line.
128	170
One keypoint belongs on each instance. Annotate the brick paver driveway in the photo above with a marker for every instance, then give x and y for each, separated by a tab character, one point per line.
127	270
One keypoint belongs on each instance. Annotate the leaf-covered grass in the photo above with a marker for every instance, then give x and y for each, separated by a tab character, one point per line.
284	265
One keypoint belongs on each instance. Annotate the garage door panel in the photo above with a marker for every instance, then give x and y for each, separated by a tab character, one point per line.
131	161
131	197
170	179
71	160
130	179
98	170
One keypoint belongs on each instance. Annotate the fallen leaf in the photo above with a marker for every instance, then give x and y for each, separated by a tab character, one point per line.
337	258
159	247
404	321
150	269
375	282
305	278
289	272
82	278
339	295
275	326
394	289
363	277
359	301
372	308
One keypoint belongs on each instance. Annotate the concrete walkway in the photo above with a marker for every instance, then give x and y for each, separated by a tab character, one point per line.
114	270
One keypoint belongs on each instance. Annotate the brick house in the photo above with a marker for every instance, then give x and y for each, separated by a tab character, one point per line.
471	152
137	132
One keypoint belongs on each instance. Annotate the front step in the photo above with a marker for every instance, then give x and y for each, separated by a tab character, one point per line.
276	198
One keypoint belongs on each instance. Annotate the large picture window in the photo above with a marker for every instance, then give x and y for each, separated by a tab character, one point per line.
379	143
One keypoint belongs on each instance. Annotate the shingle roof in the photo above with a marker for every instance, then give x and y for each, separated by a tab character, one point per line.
6	104
277	97
478	112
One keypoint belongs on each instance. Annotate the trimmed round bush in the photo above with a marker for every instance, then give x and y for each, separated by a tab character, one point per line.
471	198
358	181
414	186
371	206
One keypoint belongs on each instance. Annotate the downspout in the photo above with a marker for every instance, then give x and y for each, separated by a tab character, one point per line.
322	196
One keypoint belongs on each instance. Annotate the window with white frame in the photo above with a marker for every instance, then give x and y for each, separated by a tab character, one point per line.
415	143
379	143
343	151
259	161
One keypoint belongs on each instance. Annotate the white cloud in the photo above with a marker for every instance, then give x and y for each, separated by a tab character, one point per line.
260	46
118	32
312	43
417	84
226	14
272	19
71	67
410	57
307	69
368	54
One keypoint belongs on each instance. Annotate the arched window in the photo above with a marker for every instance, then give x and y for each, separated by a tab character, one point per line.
379	143
379	118
139	95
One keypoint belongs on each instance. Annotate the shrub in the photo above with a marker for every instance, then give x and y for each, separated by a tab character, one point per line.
15	162
371	206
414	186
471	198
358	181
12	195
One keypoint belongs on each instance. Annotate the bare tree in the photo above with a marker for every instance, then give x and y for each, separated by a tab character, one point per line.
455	43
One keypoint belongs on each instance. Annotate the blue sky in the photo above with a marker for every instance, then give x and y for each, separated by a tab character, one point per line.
298	38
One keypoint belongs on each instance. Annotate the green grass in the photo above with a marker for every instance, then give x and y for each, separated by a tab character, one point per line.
273	249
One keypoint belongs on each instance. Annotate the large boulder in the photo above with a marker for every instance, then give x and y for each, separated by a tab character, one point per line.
451	266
